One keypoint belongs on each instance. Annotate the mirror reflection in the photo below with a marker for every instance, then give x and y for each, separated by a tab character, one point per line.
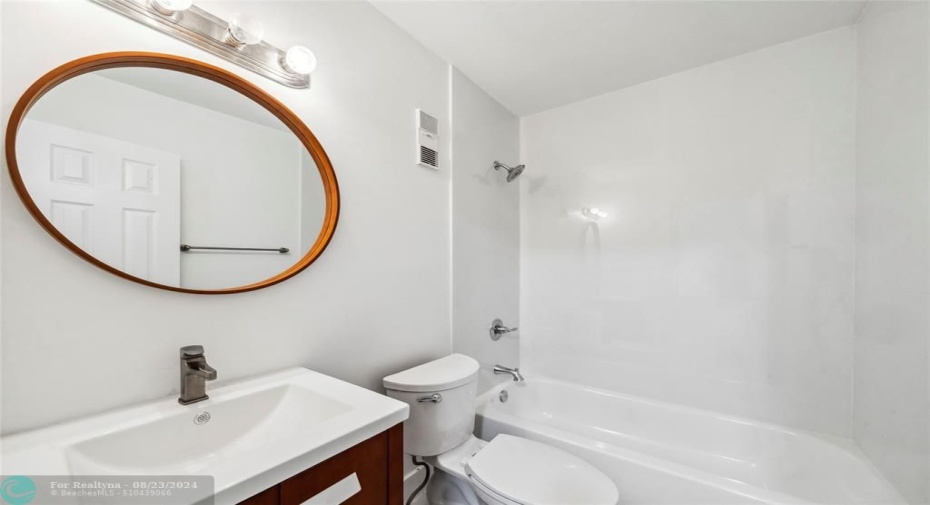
171	178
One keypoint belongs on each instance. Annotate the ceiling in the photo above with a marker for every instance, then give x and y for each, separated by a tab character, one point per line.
536	55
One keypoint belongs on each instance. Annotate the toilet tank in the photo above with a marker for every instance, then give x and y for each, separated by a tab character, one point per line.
441	395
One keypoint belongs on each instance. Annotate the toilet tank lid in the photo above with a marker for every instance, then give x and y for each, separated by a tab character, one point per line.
438	375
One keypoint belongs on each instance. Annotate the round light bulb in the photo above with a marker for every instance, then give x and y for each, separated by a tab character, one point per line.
169	7
246	30
299	60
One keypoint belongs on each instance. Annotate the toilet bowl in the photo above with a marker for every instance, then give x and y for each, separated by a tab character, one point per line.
508	470
516	471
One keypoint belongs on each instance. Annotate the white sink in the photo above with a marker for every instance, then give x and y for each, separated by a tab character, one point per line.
249	435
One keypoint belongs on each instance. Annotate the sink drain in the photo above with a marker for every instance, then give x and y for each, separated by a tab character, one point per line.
202	418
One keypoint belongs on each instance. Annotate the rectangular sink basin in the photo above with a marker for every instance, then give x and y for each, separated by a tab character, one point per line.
187	442
249	436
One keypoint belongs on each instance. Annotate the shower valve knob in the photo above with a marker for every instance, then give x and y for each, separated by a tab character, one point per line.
497	329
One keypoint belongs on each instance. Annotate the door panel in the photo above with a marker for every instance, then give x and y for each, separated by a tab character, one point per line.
76	221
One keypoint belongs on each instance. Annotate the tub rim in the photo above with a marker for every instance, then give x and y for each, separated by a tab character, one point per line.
484	409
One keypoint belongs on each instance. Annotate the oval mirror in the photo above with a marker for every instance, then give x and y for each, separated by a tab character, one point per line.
172	173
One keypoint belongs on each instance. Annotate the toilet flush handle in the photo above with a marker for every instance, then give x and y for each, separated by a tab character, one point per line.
435	398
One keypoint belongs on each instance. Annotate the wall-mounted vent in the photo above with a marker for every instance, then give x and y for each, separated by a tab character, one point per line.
427	140
428	157
428	123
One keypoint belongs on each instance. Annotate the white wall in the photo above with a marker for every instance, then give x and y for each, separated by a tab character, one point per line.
240	180
722	276
485	228
376	302
892	364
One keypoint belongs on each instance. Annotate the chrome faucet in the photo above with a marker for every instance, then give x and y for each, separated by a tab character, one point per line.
195	372
514	372
497	329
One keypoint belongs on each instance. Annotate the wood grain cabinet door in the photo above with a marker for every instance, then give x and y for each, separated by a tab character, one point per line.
377	464
367	460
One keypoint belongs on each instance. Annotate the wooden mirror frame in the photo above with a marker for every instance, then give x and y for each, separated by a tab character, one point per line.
193	67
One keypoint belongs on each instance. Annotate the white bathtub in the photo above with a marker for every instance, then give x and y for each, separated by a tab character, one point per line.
660	453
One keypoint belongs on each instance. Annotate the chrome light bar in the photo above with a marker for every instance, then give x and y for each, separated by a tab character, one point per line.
212	34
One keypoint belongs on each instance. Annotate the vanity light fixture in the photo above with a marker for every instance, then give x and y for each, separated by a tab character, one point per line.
299	60
239	40
244	30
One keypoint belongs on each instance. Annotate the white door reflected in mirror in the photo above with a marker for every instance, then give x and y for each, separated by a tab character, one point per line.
130	163
119	201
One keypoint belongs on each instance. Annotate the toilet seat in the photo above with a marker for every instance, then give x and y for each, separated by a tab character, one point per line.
518	471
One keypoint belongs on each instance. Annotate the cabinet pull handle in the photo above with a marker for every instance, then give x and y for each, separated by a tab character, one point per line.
337	493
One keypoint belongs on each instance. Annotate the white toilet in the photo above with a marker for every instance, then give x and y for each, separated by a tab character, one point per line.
505	471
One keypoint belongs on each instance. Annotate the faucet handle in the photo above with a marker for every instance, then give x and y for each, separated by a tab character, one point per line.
192	351
498	329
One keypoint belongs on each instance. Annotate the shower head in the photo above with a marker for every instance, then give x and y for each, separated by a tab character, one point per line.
512	172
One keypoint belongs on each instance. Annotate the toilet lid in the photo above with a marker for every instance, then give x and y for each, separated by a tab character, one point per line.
532	473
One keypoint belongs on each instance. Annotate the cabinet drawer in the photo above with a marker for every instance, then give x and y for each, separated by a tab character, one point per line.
368	460
377	464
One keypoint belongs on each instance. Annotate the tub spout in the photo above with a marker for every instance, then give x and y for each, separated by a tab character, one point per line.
514	372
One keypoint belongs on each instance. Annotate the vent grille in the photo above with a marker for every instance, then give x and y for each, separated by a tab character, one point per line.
429	157
427	140
429	123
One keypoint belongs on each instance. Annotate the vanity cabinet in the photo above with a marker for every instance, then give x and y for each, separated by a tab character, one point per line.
377	463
